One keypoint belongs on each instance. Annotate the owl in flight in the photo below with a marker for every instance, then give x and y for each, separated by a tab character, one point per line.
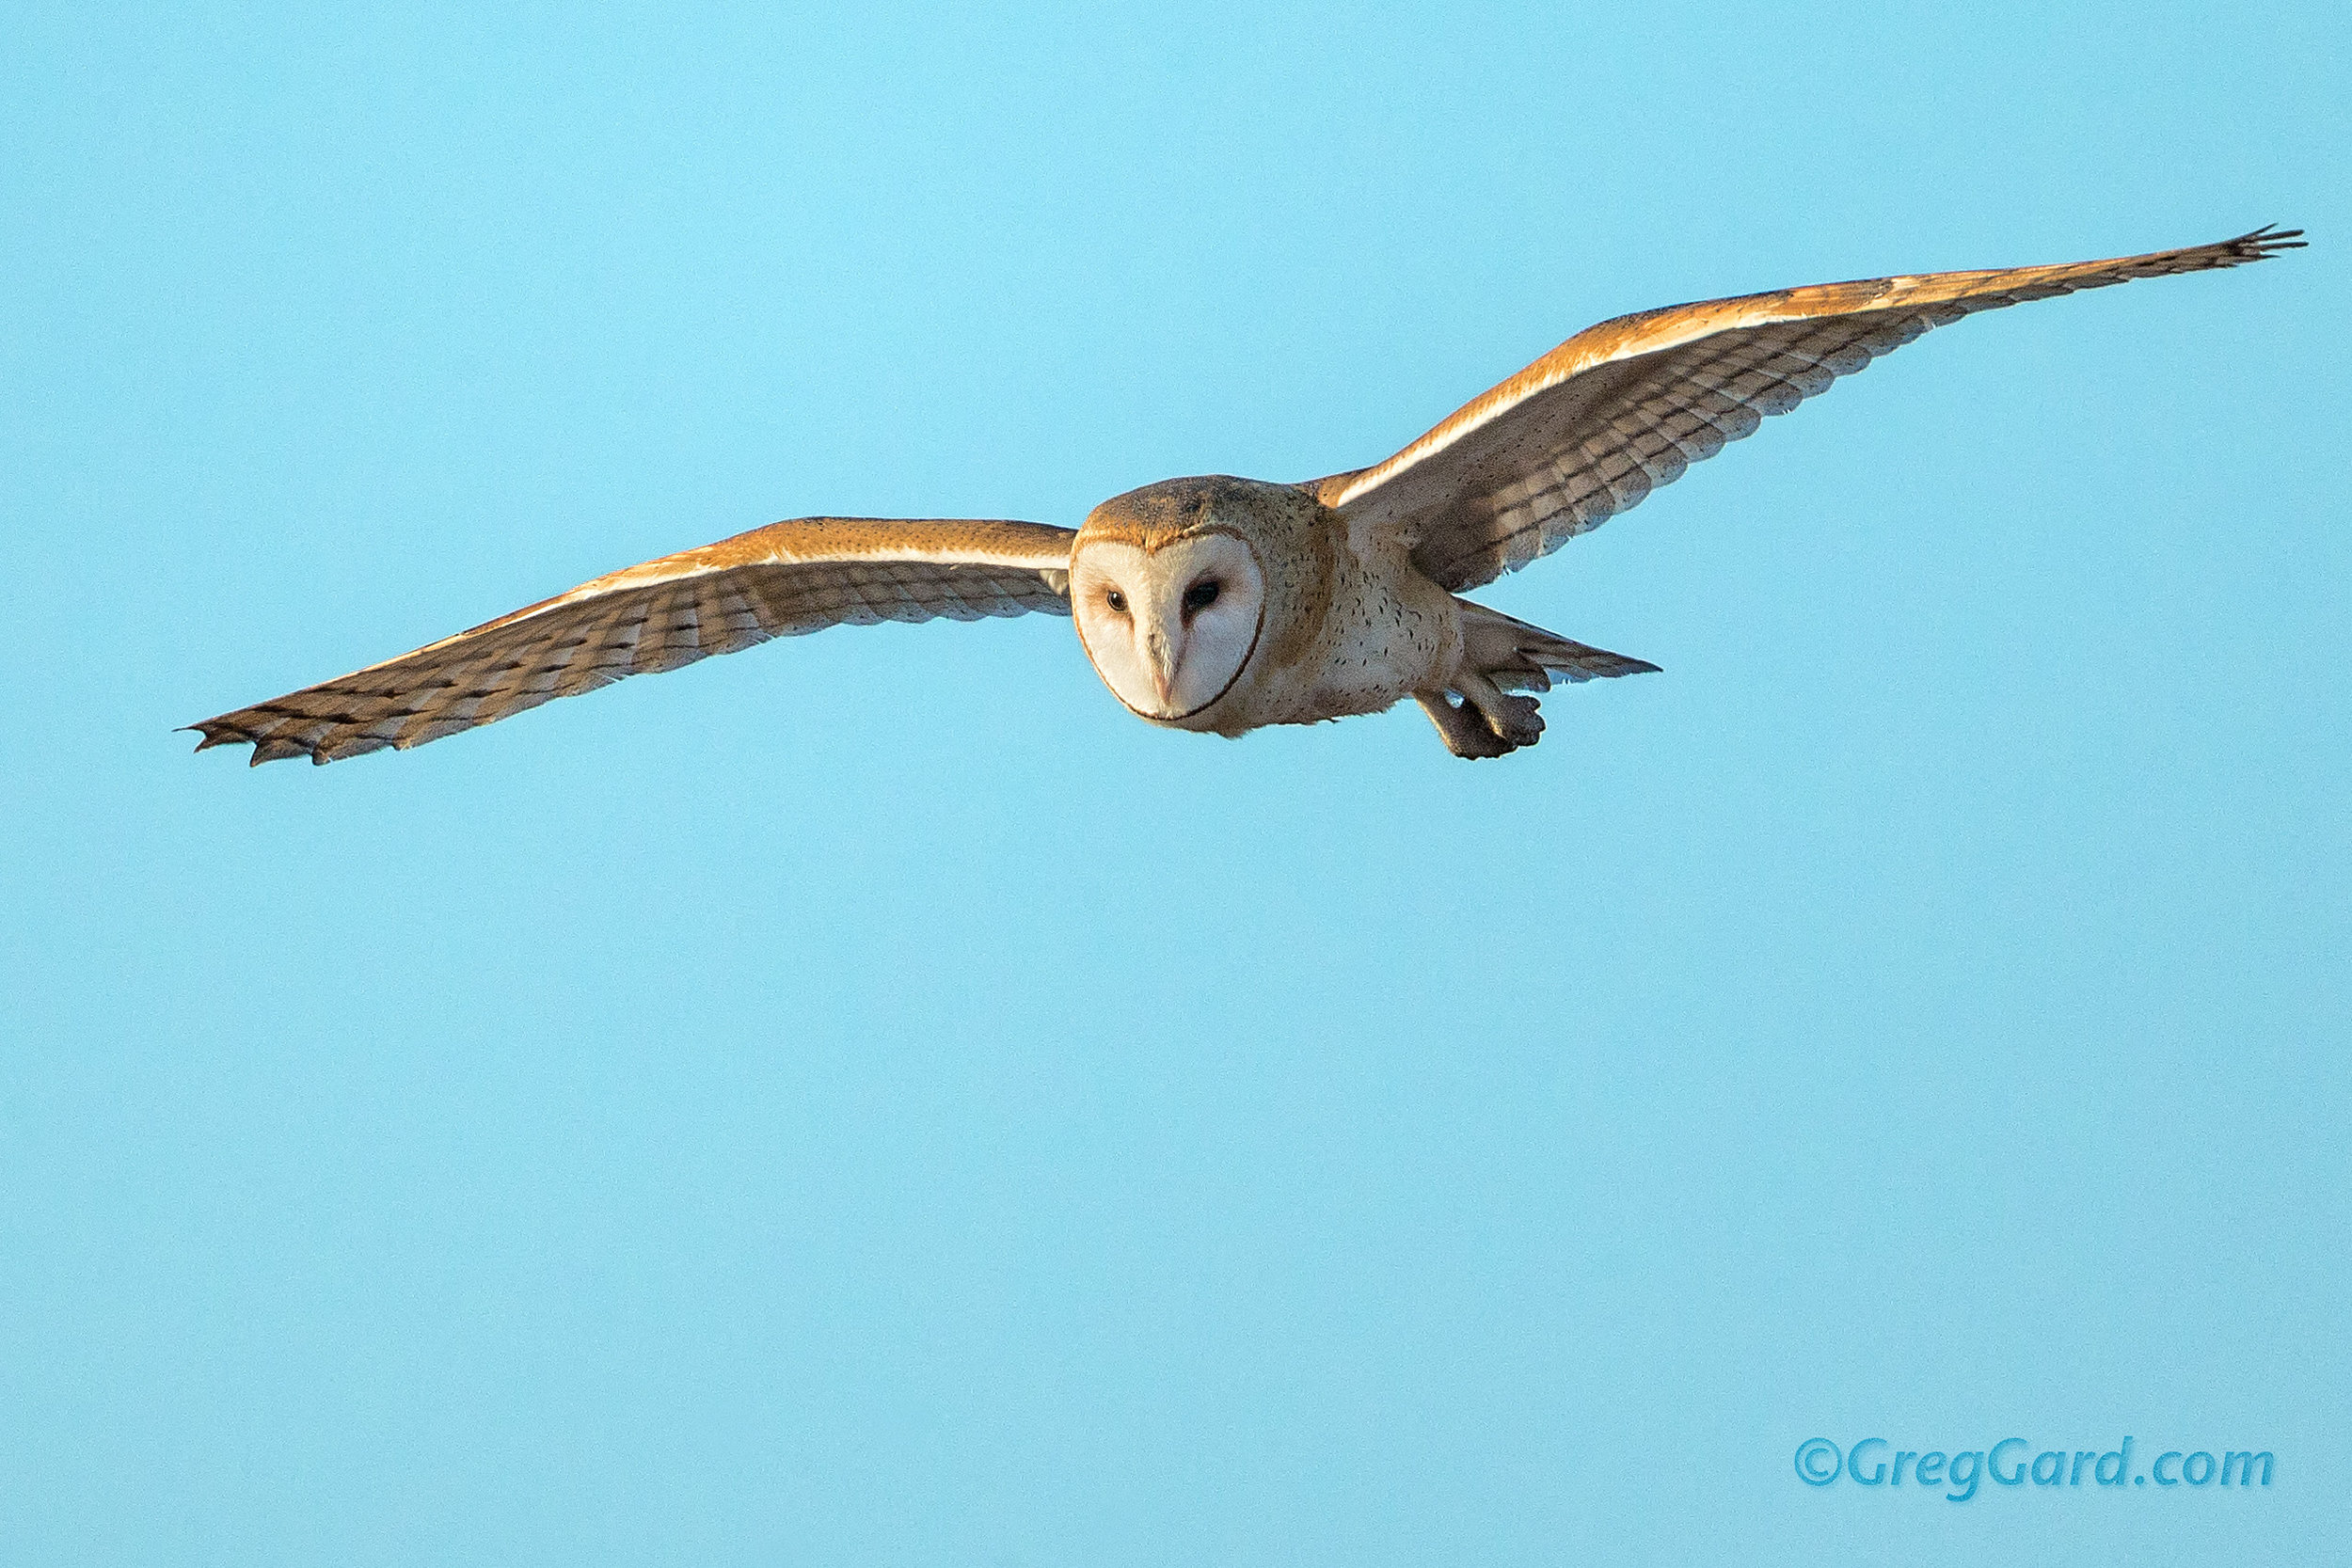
1224	604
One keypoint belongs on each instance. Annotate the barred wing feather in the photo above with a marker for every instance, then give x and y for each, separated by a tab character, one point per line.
781	580
1593	427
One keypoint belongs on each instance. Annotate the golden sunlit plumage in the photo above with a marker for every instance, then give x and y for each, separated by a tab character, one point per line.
1222	604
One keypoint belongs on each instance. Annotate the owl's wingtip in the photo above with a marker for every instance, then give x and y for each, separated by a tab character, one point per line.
210	733
2268	241
228	732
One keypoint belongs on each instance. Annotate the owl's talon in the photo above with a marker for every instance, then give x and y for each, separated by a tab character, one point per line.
1507	722
1515	720
1469	731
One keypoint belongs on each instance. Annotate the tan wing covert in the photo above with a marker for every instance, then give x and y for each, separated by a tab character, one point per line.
781	580
1590	429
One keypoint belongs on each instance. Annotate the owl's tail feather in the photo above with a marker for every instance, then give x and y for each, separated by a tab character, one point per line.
1519	658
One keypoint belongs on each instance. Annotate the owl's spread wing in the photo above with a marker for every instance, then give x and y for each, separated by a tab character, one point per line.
1591	428
781	580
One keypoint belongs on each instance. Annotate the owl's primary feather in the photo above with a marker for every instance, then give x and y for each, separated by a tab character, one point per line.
1313	601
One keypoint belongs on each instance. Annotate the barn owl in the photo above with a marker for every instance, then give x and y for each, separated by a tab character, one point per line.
1223	605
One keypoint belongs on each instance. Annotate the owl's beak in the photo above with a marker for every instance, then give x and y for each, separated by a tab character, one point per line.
1165	657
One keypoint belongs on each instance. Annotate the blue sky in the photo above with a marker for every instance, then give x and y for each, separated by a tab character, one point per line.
871	1101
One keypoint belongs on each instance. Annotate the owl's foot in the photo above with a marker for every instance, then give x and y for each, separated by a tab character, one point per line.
1487	722
1500	656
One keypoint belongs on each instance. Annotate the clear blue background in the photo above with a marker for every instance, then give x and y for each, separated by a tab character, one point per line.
869	1101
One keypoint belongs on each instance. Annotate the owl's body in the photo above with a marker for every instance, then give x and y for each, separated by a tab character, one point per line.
1225	605
1347	622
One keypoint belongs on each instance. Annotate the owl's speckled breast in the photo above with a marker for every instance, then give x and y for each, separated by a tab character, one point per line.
1388	632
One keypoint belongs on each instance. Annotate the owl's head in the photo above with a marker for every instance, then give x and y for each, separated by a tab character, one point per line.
1169	595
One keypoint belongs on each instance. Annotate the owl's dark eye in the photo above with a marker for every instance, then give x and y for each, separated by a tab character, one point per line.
1116	600
1201	594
